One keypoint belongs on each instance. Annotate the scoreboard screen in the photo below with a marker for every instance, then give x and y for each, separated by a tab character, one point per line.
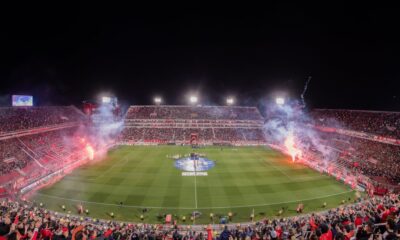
22	101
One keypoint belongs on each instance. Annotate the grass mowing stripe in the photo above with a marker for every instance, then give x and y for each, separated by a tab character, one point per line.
243	178
195	189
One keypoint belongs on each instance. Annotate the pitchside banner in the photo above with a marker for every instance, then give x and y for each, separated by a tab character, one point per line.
22	101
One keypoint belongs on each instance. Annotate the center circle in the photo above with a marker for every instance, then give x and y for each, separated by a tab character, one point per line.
198	164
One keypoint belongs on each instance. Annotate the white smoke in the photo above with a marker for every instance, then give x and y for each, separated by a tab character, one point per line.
292	119
106	126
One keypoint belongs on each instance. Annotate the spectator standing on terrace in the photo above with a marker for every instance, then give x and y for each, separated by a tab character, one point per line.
226	234
390	233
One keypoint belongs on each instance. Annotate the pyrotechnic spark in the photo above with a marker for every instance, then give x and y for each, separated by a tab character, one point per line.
291	148
304	91
90	151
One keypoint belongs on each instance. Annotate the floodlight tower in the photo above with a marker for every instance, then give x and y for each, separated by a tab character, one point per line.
193	99
280	101
230	101
157	100
106	99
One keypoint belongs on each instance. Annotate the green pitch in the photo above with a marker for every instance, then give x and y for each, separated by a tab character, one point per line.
244	179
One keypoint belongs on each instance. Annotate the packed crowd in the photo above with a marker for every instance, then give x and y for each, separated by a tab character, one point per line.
11	156
371	158
178	123
22	118
374	218
193	112
380	123
31	156
22	156
233	135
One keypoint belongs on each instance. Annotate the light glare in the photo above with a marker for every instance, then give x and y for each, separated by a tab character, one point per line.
280	101
106	99
157	100
193	99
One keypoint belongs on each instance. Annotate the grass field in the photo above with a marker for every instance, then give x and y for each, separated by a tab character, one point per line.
243	179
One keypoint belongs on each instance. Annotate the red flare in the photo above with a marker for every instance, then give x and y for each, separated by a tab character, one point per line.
90	151
291	148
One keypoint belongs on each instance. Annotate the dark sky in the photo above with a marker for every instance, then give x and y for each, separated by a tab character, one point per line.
63	55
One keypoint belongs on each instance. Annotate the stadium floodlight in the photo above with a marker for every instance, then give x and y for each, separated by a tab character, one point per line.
230	101
280	100
193	99
157	100
106	99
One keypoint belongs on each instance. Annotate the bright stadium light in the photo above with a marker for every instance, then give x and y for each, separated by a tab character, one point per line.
106	99
157	100
280	100
193	99
230	101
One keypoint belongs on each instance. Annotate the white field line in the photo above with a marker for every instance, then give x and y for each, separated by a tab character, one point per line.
195	184
187	208
116	164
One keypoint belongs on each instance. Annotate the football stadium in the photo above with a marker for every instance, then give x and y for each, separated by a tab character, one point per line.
206	125
193	165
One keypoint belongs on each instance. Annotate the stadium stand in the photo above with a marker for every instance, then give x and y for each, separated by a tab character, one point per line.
21	118
175	124
367	142
33	142
372	158
374	122
193	112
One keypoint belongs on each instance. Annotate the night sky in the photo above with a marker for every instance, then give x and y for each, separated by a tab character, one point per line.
64	55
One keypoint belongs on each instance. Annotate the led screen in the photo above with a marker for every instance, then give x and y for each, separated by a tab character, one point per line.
22	100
